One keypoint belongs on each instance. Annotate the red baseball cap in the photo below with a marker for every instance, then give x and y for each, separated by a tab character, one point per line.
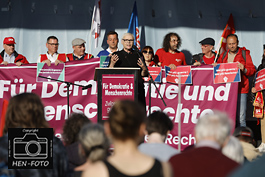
9	40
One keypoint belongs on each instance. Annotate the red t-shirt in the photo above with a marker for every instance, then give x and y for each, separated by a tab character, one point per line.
167	58
208	61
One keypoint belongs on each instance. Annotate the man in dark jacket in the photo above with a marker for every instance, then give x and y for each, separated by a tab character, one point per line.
9	55
208	55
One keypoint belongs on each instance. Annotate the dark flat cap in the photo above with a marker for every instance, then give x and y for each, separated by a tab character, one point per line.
208	40
243	131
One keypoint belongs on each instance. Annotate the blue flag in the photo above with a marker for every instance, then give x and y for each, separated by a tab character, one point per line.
133	26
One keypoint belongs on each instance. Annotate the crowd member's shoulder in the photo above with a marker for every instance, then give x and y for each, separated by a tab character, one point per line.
97	169
167	169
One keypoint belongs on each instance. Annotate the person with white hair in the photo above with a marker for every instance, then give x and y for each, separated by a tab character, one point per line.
128	57
234	150
206	158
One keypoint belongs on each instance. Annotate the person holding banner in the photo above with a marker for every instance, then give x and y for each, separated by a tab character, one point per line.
169	54
79	51
260	96
52	56
245	64
208	55
9	55
130	58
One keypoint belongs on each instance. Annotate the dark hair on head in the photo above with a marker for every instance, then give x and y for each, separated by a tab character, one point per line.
25	110
112	33
150	49
52	37
72	126
158	122
167	38
125	119
232	35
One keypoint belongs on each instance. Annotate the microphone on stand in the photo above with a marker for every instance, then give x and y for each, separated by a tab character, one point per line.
87	86
137	50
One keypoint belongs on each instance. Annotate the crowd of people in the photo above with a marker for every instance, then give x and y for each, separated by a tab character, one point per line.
85	146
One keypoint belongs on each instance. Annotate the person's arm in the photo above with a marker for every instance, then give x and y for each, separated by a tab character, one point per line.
143	66
167	170
184	60
250	69
114	58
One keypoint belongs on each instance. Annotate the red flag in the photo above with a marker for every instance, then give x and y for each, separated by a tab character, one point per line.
229	29
96	21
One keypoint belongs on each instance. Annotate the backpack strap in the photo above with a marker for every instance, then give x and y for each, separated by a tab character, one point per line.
224	56
244	54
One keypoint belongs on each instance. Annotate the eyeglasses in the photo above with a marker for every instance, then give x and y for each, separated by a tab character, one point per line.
54	44
128	40
145	52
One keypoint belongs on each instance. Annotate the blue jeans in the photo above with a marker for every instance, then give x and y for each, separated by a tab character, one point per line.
241	110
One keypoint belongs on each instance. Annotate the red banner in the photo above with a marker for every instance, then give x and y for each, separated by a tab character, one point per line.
115	87
260	80
198	99
226	72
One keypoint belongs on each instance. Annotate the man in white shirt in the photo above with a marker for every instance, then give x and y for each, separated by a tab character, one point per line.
52	56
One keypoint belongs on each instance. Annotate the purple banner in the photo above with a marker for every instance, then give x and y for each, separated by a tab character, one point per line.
198	99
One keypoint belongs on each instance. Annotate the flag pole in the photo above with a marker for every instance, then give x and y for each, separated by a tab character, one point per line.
91	27
90	36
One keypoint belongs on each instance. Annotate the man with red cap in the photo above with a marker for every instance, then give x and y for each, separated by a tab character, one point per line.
9	55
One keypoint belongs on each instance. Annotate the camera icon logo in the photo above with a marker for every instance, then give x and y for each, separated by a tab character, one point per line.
30	147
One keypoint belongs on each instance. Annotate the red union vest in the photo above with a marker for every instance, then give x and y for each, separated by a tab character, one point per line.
71	58
61	56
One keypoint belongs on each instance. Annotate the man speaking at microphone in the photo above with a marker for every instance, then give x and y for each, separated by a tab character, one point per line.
128	57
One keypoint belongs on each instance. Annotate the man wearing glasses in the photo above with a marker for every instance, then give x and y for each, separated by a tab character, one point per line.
207	56
52	56
128	57
9	55
169	54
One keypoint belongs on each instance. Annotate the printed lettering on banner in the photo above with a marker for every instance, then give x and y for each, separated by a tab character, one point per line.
226	72
197	99
115	87
184	72
260	80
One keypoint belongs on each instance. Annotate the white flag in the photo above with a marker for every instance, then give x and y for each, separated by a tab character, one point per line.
96	21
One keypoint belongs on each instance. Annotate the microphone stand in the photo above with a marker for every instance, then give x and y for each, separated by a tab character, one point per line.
150	81
68	85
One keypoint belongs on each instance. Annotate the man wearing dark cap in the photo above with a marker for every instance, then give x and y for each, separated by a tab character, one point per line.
207	56
246	138
79	50
9	55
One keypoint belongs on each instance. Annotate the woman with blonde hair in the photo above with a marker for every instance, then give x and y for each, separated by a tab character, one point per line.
126	127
